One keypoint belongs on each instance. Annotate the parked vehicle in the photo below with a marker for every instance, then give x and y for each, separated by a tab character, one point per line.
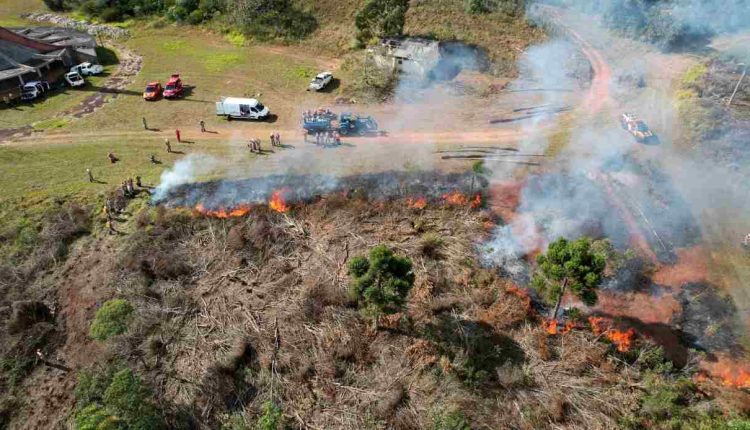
74	79
636	127
87	69
320	81
174	87
152	91
33	90
347	124
241	108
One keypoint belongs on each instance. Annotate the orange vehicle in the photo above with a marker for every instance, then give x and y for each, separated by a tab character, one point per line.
153	91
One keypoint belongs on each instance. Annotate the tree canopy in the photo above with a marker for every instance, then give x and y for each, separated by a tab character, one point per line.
381	18
571	265
382	280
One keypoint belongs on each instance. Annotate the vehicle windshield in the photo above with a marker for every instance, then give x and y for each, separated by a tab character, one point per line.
150	89
171	86
28	90
259	107
317	79
641	127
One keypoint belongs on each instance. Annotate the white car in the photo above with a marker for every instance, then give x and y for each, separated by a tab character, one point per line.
87	69
74	79
34	89
321	81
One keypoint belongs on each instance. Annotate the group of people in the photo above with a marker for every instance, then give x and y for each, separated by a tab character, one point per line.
325	138
254	143
320	113
113	205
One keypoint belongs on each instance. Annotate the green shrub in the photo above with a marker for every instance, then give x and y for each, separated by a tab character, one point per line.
131	401
111	319
449	420
270	19
380	18
96	417
381	281
272	418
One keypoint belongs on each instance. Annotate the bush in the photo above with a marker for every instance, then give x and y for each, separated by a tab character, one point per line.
56	5
449	420
131	401
272	418
111	319
431	244
96	417
115	400
381	281
269	19
380	18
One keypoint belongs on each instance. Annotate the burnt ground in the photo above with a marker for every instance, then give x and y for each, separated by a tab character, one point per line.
231	313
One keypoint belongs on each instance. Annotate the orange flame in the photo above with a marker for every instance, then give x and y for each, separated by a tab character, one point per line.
730	372
623	340
235	212
476	202
455	198
418	203
550	326
568	327
523	295
277	202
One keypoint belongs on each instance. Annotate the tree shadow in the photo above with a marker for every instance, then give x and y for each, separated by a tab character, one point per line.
106	56
476	350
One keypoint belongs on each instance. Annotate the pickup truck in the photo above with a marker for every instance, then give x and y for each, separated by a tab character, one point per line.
74	79
320	81
87	69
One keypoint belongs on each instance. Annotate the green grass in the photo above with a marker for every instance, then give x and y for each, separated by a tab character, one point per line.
694	74
46	108
11	9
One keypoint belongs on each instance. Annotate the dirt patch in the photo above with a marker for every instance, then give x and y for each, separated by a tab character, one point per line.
82	286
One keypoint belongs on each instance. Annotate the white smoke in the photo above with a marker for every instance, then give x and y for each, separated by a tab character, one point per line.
184	171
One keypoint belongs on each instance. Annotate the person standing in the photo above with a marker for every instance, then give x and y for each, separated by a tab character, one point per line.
177	133
145	124
91	175
138	182
278	138
203	126
168	145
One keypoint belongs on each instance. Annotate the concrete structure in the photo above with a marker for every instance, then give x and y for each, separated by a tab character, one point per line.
411	56
40	54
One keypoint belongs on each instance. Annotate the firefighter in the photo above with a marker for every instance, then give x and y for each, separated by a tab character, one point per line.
138	182
337	138
124	188
203	126
90	175
153	159
257	142
177	133
131	188
168	145
111	226
145	124
273	139
278	138
112	158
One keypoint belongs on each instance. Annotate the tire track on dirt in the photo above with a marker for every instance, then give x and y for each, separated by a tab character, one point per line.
128	68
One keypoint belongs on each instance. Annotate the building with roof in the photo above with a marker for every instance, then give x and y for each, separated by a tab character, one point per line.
39	54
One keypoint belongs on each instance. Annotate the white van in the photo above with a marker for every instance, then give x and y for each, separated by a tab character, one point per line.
235	107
